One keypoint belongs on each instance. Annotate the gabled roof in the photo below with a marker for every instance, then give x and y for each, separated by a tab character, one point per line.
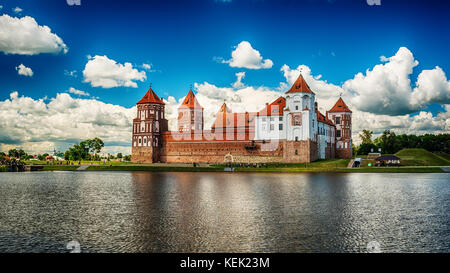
190	101
322	118
150	97
274	109
300	86
340	106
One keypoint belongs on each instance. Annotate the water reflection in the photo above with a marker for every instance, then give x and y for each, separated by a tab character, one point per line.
211	212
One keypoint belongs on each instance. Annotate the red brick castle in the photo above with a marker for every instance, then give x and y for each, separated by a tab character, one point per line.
290	129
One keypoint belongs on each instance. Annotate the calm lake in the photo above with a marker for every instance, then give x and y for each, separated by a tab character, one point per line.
223	212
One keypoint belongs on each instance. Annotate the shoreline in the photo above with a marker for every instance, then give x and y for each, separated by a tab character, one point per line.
293	169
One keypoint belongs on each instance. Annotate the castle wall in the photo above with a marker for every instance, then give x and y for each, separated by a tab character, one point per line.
344	153
142	154
300	151
221	152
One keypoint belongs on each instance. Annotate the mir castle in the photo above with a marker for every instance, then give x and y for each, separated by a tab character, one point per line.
290	129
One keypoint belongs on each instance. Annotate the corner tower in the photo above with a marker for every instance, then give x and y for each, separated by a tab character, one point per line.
147	129
341	116
190	114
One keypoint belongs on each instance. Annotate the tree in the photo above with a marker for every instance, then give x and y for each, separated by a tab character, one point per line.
119	155
366	148
17	153
81	151
366	136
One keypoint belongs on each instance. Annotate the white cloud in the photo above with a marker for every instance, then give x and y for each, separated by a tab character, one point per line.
386	88
24	36
17	10
78	92
146	66
245	56
24	71
1	7
37	125
432	86
238	83
101	71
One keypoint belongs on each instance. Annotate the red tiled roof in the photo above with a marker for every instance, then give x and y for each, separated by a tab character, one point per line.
322	118
340	106
151	97
191	101
274	109
300	85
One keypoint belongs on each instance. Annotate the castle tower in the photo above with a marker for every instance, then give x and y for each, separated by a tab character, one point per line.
148	127
341	116
190	114
301	121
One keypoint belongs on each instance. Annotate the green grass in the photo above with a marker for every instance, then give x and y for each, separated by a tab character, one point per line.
83	162
58	168
421	157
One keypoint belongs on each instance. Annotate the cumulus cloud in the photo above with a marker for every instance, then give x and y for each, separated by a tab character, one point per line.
386	88
238	83
39	125
24	36
432	86
146	66
24	71
101	71
245	56
78	92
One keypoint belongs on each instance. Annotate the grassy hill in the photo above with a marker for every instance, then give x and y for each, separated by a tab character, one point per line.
422	157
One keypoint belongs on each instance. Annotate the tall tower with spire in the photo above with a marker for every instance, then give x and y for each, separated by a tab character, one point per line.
341	116
300	112
148	127
190	114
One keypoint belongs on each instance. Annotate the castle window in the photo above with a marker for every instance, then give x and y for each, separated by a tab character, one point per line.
296	138
296	107
338	133
338	120
280	118
296	152
139	141
280	126
271	127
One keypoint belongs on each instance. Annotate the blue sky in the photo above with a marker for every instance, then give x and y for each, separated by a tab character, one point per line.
191	42
180	39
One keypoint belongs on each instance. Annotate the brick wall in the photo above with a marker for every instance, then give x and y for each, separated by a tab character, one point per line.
142	154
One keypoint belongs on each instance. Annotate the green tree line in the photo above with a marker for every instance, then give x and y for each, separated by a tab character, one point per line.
390	143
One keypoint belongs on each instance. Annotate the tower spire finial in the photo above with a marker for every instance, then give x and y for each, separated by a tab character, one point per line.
150	85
